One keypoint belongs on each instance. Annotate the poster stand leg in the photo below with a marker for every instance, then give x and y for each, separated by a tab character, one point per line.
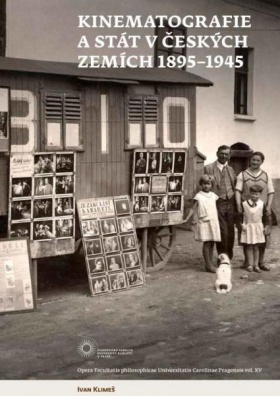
35	278
144	248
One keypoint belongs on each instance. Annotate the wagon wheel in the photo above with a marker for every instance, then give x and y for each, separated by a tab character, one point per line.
160	243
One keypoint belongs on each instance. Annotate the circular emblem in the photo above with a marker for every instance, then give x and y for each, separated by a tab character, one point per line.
87	347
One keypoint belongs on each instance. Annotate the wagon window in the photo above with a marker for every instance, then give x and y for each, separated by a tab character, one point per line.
62	113
142	122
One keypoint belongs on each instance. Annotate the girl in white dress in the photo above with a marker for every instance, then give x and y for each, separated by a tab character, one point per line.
253	231
208	229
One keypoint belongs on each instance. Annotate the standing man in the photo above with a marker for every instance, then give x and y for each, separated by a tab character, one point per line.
223	185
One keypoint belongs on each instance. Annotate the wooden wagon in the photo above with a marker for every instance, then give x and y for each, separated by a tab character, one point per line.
102	115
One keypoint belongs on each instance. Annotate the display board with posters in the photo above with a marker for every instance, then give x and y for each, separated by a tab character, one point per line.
16	288
110	244
4	118
158	186
42	202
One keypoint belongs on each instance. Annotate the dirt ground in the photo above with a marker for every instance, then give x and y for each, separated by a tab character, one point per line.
175	322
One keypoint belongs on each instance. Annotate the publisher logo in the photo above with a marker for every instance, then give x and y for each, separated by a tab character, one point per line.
87	347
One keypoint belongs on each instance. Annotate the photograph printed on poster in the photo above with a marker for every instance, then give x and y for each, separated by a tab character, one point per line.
64	228
99	285
142	185
42	208
43	186
131	260
93	247
96	265
3	124
90	228
9	266
111	244
141	162
64	206
43	230
175	183
166	162
154	162
20	230
114	262
179	162
64	184
117	281
21	187
43	163
64	163
158	203
140	204
135	278
125	224
128	242
10	281
174	203
108	226
122	206
21	210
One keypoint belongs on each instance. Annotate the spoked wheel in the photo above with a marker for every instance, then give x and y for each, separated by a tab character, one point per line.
160	243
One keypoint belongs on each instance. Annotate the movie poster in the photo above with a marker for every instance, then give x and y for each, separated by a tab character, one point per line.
110	244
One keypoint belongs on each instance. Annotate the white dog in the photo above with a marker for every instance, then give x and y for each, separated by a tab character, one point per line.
223	282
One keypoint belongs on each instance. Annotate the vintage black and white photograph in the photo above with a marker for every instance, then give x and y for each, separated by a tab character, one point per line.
154	162
114	263
175	183
131	259
142	185
122	206
64	228
135	278
158	203
90	228
164	116
43	230
43	163
179	162
111	244
141	162
64	184
93	247
108	226
21	210
42	208
21	187
140	204
96	265
166	162
43	186
20	230
64	206
64	163
128	242
174	202
125	224
117	281
99	285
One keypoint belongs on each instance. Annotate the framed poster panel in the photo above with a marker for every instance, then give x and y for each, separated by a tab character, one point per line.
110	243
158	180
16	286
42	201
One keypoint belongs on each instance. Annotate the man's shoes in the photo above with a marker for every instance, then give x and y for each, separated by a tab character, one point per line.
250	268
264	267
257	269
211	269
